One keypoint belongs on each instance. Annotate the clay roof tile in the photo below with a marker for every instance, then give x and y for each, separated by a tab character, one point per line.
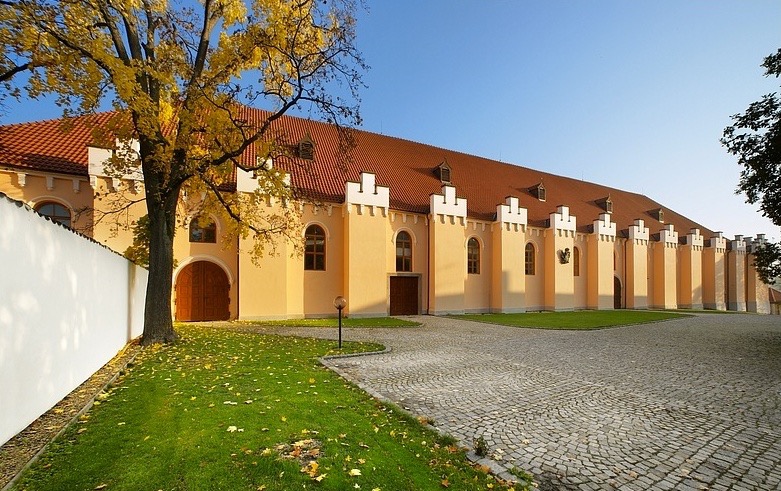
406	167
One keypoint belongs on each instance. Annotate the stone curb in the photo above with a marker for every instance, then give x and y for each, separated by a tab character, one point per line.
497	469
355	355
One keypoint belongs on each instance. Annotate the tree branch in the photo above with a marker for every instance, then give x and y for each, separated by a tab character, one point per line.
116	37
9	74
235	216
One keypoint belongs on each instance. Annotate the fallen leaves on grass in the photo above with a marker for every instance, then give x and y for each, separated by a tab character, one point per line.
302	450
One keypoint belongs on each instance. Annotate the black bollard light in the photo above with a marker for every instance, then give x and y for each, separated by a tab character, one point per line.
340	303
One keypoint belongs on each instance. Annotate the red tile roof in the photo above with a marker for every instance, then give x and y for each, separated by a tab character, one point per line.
50	146
404	166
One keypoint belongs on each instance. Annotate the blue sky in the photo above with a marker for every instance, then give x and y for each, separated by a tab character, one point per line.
632	94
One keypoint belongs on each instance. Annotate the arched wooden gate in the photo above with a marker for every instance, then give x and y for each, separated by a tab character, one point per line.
202	293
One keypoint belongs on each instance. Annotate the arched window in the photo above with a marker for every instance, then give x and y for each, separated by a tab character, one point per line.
403	252
55	211
203	229
473	256
314	248
576	261
530	259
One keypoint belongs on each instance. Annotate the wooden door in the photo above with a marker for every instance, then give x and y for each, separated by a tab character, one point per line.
616	293
202	293
404	295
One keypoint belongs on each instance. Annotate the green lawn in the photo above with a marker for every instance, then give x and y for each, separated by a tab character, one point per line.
224	410
578	320
346	322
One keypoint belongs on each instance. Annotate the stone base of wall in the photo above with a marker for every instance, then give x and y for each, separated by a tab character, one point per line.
736	306
694	306
714	306
758	307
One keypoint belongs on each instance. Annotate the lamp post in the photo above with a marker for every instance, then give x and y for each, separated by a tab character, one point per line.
340	303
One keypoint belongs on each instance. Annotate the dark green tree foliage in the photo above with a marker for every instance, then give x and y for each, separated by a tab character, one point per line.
767	261
755	138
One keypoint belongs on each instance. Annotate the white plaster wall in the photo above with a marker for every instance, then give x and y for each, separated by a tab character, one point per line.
67	306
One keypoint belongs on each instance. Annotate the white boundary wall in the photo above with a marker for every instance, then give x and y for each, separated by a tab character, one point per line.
67	306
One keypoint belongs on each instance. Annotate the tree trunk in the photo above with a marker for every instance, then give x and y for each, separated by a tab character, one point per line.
158	319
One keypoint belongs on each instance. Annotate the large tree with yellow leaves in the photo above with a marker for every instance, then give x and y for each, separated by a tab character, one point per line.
180	75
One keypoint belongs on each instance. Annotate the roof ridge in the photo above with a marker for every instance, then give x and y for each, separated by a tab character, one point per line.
60	119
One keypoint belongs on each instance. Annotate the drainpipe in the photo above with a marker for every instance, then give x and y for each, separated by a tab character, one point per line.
745	275
726	278
238	276
428	266
626	260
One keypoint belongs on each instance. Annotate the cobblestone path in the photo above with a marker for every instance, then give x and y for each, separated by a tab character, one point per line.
685	404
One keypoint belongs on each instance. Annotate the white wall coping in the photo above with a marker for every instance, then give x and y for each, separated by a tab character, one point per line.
693	238
604	226
448	203
717	241
738	244
562	220
367	192
639	231
98	158
511	212
758	242
753	245
247	181
668	235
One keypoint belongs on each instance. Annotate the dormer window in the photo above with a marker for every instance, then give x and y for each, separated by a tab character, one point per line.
606	204
658	215
306	148
538	191
443	172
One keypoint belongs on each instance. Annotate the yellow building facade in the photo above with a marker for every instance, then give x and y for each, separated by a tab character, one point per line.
406	228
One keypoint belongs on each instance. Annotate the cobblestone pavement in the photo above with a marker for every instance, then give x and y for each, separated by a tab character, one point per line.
684	404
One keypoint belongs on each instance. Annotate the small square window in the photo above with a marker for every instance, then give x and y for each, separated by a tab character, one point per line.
203	230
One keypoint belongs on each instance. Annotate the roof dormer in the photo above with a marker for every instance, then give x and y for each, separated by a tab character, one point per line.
443	172
658	214
538	191
306	147
606	204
